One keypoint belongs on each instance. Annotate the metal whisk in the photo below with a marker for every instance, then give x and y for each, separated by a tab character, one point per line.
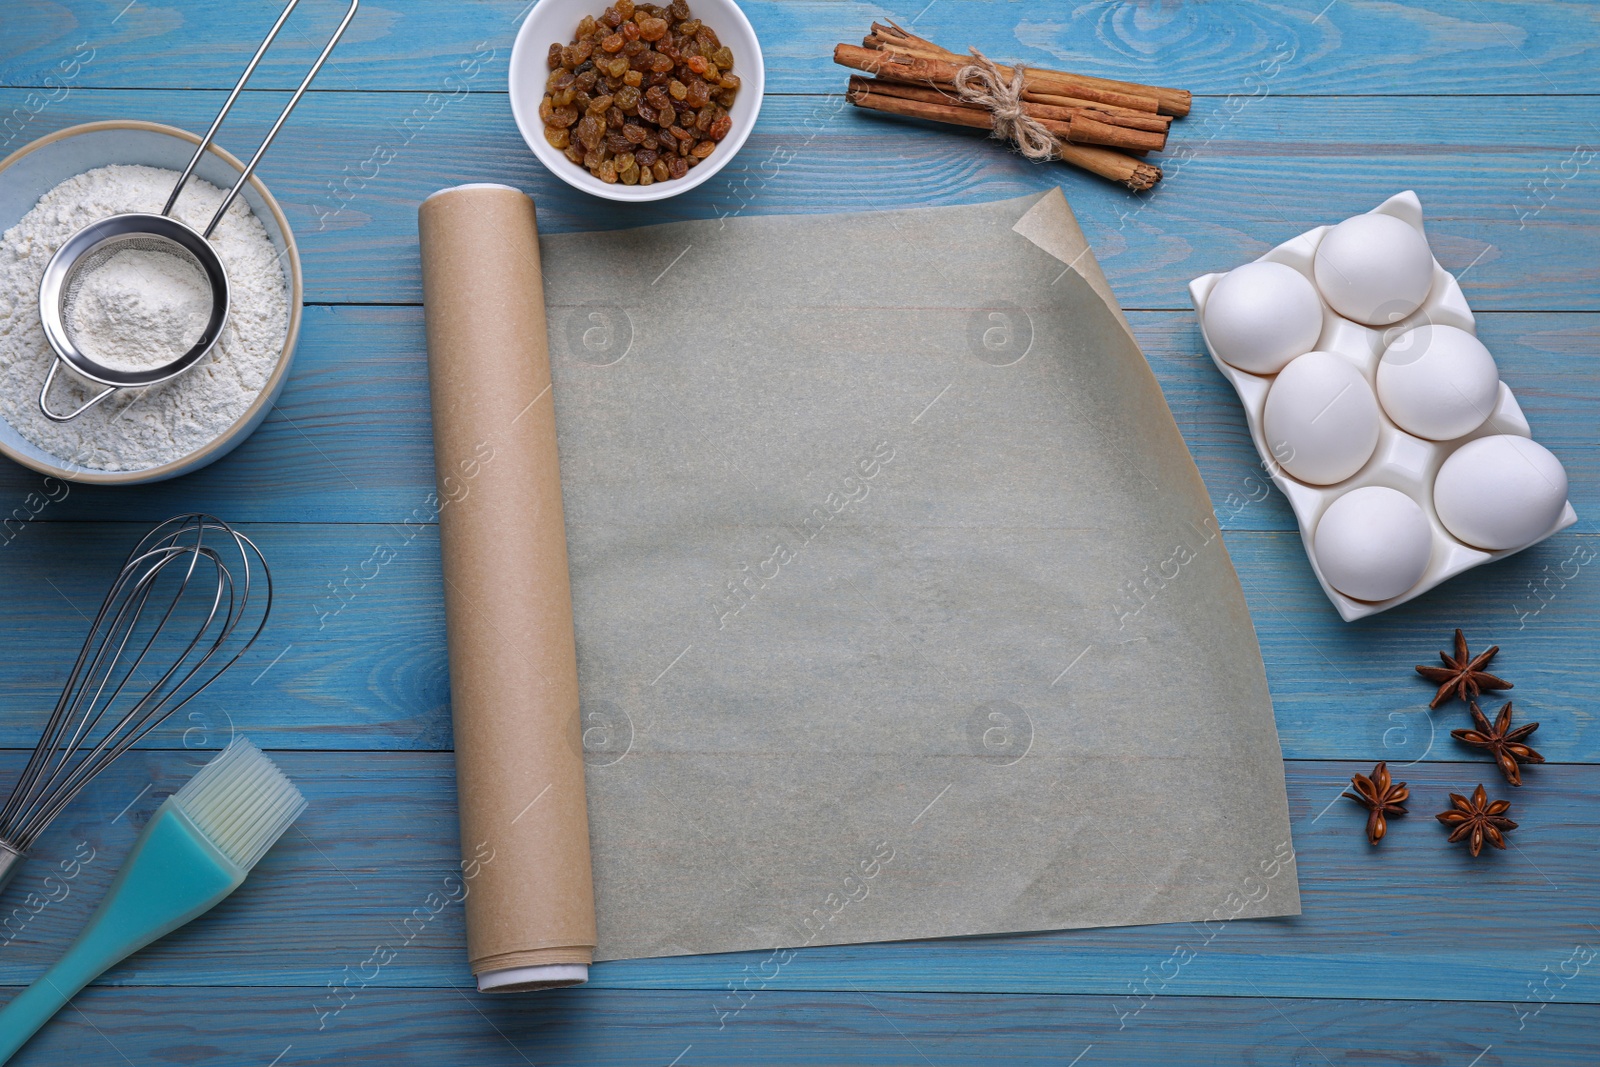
186	605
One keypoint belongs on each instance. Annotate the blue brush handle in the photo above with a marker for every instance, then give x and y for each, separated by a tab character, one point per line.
172	875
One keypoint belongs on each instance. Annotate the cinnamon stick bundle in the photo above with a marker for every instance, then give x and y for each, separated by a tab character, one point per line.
1073	124
1107	163
1174	102
1098	124
923	70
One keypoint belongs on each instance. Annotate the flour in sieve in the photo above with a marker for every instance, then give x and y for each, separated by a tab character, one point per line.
138	309
137	428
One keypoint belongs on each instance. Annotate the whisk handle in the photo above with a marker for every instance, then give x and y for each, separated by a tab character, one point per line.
10	862
173	875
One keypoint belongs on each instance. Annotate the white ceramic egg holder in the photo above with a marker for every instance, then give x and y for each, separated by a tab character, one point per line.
1400	461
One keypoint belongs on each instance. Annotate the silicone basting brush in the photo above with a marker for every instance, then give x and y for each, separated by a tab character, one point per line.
196	849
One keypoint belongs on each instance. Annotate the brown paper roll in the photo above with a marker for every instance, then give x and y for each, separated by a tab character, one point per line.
508	603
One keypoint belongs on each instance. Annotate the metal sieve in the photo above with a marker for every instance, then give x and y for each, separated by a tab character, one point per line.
91	247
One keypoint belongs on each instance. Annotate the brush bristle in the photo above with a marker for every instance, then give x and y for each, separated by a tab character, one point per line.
241	802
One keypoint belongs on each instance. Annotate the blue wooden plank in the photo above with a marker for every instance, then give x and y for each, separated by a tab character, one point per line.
1509	206
349	440
629	1028
1414	918
353	427
1301	46
363	653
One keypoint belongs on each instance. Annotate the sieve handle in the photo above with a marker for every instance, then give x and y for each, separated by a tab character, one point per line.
49	378
227	105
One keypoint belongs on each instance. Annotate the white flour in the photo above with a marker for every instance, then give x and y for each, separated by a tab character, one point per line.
136	429
138	310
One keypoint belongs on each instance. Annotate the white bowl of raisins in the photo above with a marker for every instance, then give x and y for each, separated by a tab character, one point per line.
635	101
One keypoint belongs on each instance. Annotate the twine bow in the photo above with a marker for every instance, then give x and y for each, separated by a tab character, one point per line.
981	82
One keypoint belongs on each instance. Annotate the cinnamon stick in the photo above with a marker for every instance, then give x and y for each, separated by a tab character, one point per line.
1109	163
1077	125
923	70
1105	162
1175	102
1134	120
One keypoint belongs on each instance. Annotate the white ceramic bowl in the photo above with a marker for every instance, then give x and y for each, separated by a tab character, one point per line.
554	22
36	168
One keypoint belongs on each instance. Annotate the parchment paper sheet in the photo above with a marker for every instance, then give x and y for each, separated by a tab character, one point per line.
900	606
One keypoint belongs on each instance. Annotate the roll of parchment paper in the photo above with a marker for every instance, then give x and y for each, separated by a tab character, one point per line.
508	603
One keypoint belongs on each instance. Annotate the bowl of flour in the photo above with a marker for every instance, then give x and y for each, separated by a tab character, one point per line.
139	307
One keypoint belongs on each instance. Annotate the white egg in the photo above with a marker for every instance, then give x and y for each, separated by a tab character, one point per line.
1500	492
1262	315
1373	543
1321	420
1438	382
1375	269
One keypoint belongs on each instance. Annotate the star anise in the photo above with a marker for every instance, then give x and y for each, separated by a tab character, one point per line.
1380	797
1477	819
1462	676
1504	743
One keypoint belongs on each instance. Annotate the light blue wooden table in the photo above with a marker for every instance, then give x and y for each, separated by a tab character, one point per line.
1306	111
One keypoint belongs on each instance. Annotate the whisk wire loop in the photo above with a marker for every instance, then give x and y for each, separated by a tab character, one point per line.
216	610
